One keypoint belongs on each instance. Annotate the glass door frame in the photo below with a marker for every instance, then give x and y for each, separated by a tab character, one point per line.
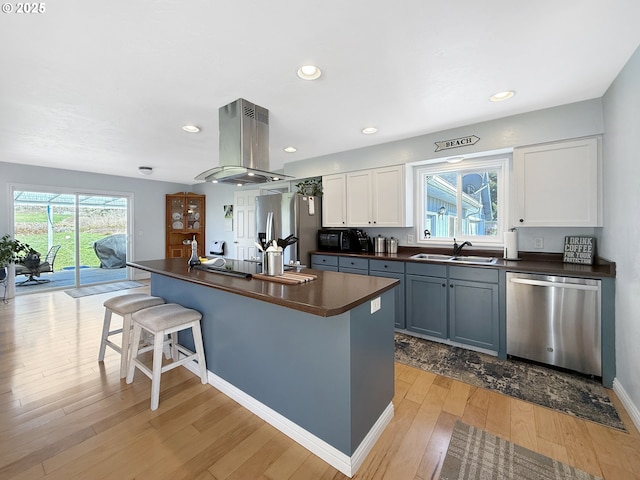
77	193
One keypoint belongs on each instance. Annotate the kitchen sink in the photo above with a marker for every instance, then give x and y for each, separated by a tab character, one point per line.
436	257
475	260
431	256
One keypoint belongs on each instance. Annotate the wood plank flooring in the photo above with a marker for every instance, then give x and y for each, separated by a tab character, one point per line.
64	415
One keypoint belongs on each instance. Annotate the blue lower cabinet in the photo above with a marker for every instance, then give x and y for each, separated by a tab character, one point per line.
359	266
473	313
426	303
380	268
324	262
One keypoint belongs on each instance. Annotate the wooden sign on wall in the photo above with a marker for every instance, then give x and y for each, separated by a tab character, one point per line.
579	250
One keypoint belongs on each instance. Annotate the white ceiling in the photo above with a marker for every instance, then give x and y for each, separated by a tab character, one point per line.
105	86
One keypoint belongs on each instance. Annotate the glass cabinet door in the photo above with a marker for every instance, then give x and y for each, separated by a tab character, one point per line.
177	213
194	209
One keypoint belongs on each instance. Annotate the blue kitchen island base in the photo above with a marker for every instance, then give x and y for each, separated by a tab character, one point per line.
325	381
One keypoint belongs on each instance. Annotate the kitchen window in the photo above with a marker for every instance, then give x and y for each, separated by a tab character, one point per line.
465	201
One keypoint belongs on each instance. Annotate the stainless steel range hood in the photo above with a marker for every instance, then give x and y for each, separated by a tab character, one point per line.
244	146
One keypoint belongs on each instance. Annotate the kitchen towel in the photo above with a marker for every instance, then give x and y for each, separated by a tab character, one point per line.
511	245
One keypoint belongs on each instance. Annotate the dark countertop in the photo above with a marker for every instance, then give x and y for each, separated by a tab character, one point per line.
544	263
331	294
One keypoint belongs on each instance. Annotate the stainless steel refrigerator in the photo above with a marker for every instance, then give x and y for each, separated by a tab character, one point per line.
283	214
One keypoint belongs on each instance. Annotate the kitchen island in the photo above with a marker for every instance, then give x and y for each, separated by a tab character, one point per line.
315	360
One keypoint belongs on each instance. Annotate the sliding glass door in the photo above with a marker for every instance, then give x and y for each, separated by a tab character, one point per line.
81	237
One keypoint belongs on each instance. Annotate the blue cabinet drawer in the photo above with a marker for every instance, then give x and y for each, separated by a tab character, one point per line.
386	266
353	262
474	274
427	269
327	260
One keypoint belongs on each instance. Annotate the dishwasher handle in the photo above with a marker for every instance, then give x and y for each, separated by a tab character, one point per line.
543	283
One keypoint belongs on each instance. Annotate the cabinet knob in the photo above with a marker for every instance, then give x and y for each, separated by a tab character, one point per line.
451	286
522	220
443	285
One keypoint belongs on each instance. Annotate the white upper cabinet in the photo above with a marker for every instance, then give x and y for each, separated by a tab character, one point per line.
359	199
558	184
371	198
334	201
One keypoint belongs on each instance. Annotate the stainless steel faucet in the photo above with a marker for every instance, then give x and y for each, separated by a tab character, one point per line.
458	248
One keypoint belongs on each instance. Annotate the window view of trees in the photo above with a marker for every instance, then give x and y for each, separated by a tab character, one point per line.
462	202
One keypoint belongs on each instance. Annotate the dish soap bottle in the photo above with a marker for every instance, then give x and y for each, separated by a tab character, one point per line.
194	259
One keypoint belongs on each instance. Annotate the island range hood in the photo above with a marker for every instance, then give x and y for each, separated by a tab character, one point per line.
244	146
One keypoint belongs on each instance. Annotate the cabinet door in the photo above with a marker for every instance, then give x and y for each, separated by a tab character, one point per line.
359	198
558	184
400	321
388	199
324	262
426	303
334	201
473	313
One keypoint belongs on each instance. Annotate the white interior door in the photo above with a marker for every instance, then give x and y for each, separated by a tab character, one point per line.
244	234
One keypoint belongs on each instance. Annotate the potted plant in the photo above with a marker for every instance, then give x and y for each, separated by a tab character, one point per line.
12	250
310	186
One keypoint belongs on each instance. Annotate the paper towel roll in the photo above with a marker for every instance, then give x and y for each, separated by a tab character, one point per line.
511	245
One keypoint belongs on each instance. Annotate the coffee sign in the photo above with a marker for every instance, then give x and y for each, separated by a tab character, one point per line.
579	250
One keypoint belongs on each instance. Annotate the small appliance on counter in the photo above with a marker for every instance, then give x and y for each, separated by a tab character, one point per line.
359	241
216	247
343	240
334	240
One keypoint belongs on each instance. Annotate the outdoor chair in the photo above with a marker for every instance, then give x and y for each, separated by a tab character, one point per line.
33	269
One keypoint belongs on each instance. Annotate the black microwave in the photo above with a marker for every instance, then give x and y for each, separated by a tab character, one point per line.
343	240
334	240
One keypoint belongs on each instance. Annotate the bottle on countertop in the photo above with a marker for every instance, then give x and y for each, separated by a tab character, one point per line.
194	259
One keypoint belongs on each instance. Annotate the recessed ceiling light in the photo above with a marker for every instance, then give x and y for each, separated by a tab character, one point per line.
369	130
214	181
190	128
290	149
455	159
145	170
275	178
309	72
498	97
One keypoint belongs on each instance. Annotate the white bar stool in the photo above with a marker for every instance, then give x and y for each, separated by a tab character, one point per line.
125	306
161	320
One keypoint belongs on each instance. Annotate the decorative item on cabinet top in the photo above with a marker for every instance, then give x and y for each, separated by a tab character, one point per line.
310	186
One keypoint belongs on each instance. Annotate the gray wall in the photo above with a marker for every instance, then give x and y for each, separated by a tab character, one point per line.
621	232
568	121
148	199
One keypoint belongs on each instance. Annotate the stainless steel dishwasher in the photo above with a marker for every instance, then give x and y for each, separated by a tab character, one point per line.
555	320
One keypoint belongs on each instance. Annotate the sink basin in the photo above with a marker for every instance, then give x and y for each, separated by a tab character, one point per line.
437	257
472	259
431	256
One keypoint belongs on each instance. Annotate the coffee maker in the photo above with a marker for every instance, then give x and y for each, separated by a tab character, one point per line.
360	240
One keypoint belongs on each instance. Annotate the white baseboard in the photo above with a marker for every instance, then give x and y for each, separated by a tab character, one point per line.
629	406
348	465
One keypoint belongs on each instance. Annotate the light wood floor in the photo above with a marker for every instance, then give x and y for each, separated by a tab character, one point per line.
63	415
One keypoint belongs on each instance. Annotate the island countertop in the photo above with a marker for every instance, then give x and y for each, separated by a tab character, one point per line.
331	294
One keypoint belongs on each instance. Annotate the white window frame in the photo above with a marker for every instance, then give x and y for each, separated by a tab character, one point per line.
501	163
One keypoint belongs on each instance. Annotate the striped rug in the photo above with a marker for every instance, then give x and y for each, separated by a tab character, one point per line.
474	454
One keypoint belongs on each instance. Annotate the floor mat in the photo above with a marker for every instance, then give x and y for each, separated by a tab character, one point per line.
105	288
562	391
474	454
